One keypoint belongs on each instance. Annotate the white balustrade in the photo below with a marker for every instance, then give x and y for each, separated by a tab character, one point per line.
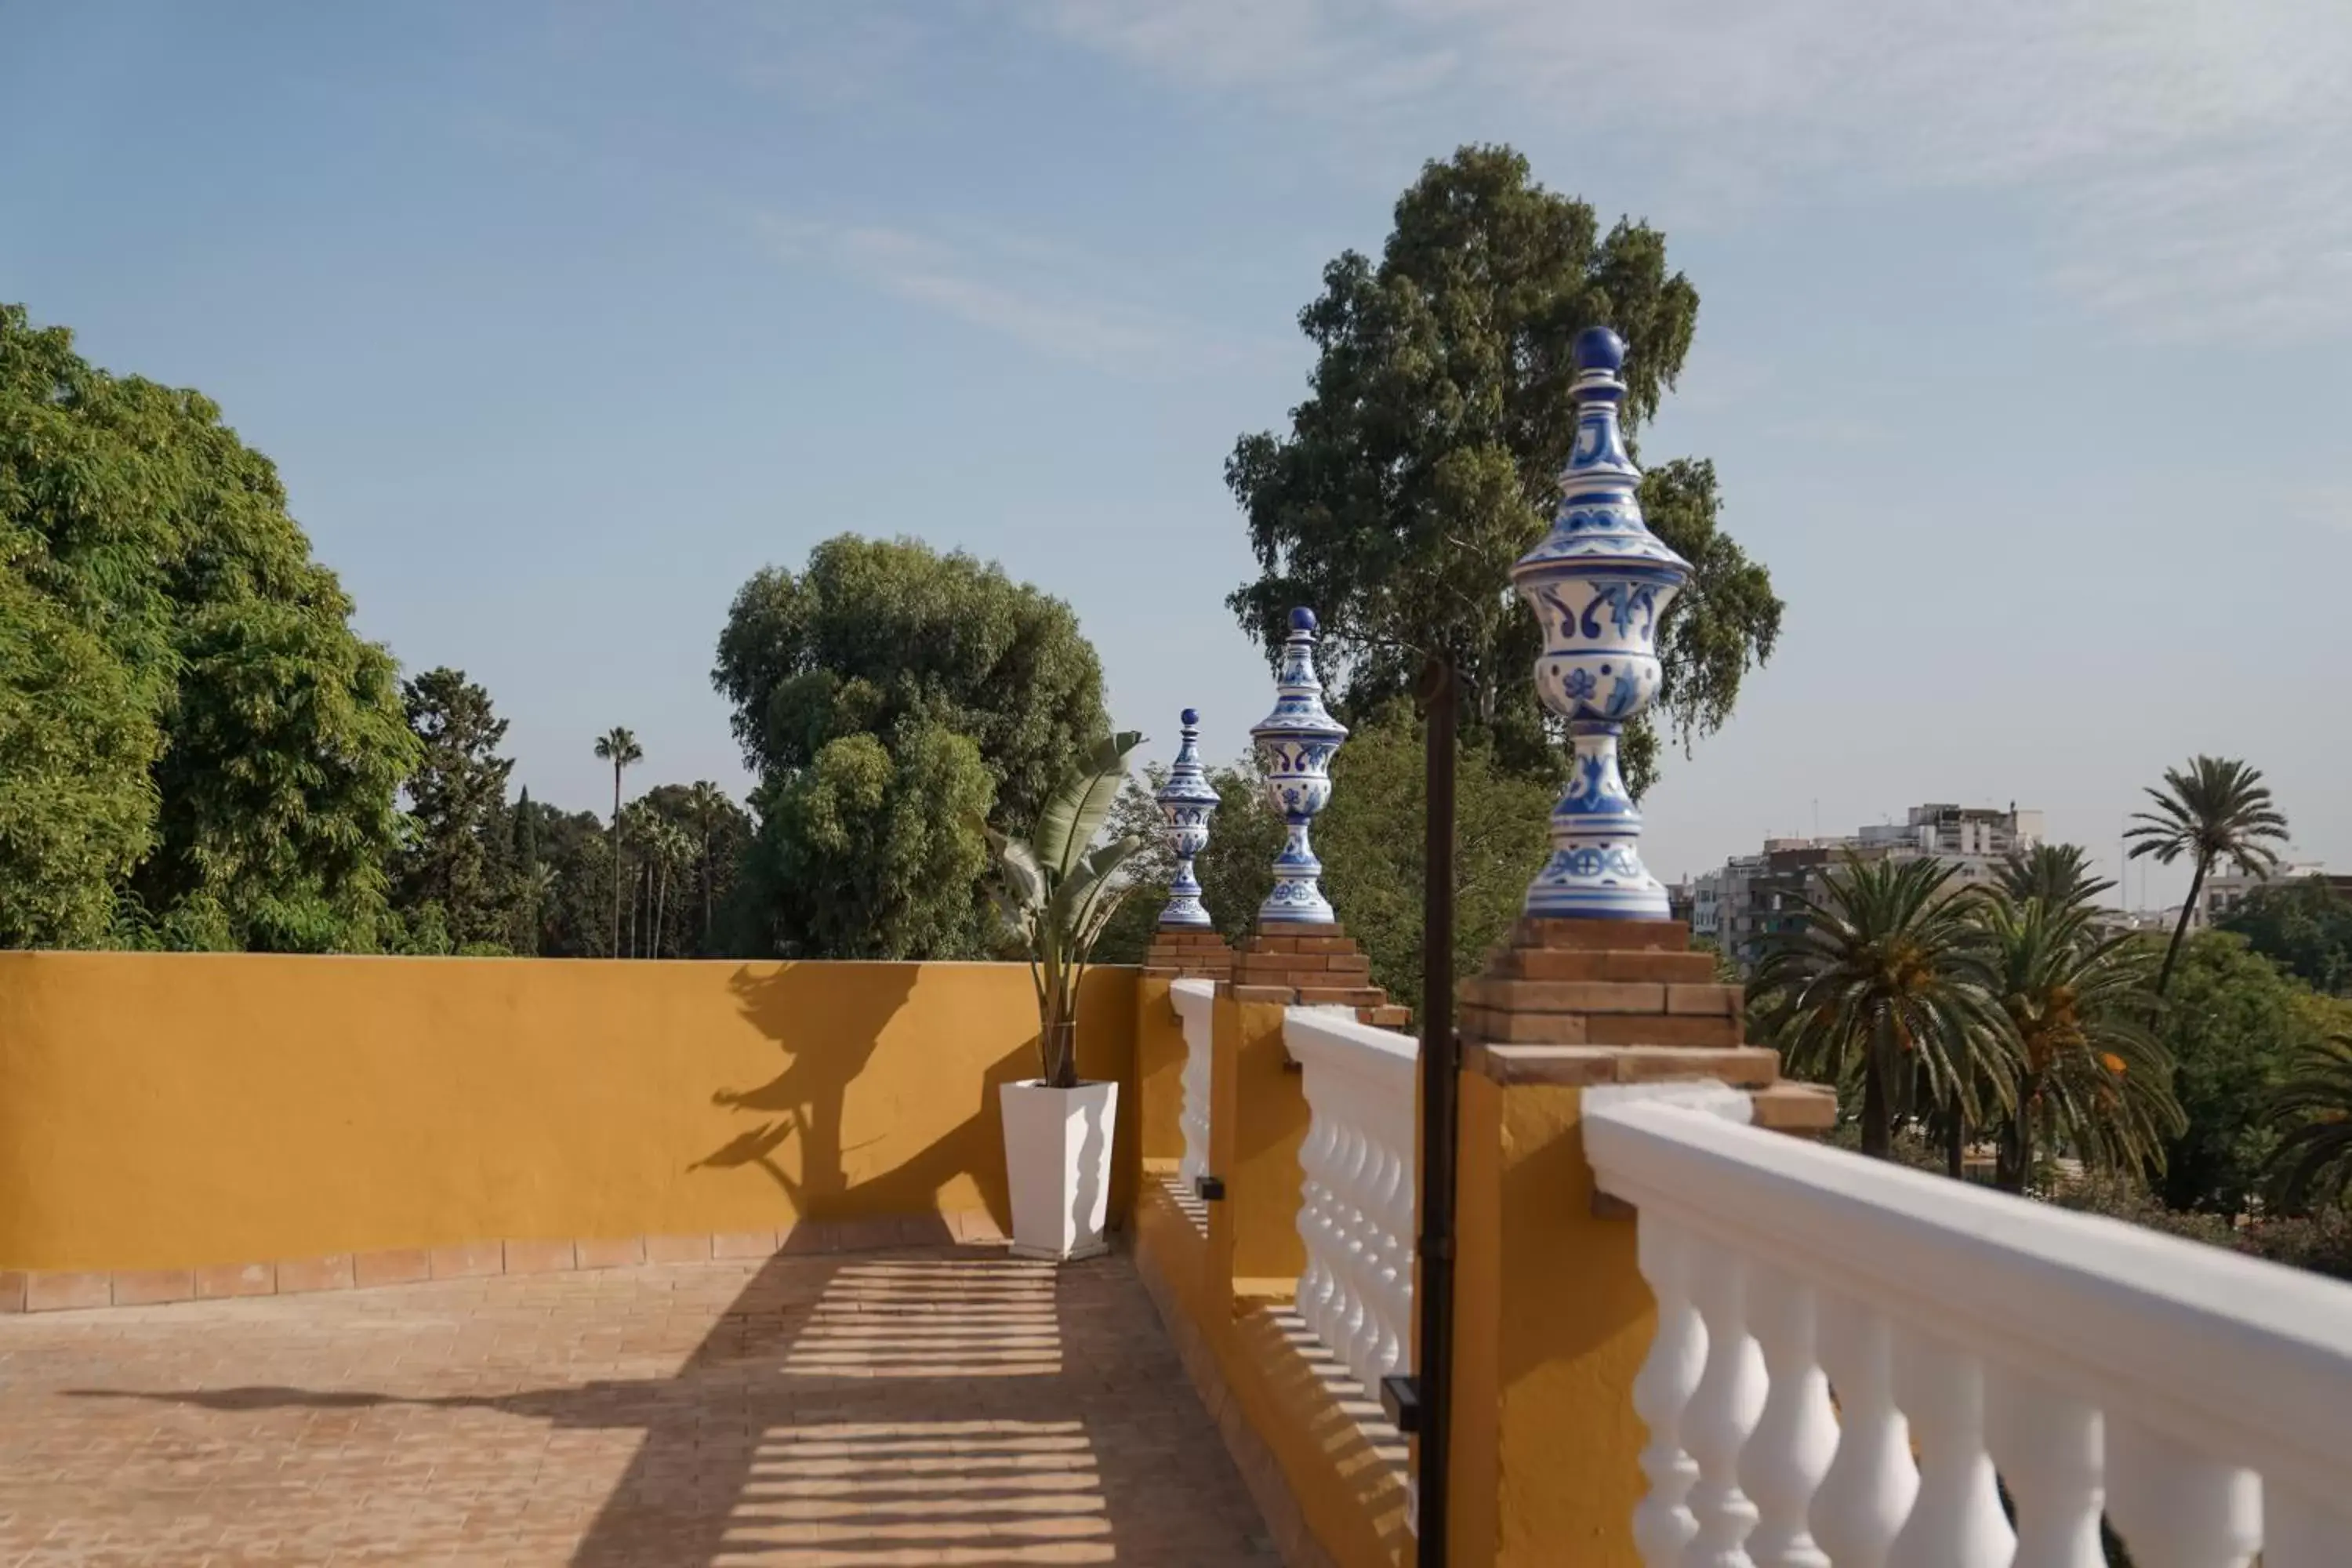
1356	1187
2199	1400
1195	1002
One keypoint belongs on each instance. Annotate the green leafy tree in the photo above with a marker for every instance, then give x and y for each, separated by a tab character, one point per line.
1888	987
1372	840
1057	891
574	853
2216	809
458	807
2234	1024
883	668
2090	1075
870	852
2312	1166
1426	459
77	799
619	747
2305	926
278	738
533	881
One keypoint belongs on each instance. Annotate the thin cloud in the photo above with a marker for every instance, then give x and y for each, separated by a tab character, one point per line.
2192	158
1035	294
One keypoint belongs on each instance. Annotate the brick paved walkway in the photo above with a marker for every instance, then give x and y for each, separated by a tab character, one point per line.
943	1406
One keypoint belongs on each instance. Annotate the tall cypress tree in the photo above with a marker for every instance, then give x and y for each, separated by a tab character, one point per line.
526	859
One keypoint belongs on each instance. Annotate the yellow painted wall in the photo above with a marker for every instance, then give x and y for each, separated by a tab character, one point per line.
1159	1072
1258	1120
1552	1322
177	1109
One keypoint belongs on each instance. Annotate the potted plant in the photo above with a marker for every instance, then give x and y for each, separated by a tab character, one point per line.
1057	894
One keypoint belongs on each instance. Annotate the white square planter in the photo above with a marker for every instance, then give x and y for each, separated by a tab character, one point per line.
1057	1163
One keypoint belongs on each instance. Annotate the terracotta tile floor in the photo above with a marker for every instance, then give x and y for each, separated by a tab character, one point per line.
951	1406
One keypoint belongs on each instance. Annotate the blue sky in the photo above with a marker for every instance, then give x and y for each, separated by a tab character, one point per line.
2024	351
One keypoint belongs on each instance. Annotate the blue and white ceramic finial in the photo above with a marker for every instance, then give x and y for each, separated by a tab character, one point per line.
1598	581
1295	743
1187	800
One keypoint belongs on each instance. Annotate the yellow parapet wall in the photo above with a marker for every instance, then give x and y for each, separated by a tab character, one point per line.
172	1110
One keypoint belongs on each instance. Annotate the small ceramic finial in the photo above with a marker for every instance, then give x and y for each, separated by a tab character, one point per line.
1187	800
1294	746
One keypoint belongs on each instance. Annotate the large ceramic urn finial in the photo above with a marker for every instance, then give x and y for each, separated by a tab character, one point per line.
1598	581
1295	743
1187	800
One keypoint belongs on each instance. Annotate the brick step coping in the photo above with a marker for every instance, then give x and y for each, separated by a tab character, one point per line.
57	1290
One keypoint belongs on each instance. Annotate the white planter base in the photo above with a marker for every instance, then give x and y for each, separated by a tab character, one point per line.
1057	1149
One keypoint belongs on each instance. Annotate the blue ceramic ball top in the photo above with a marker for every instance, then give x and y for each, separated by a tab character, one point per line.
1190	716
1302	619
1598	348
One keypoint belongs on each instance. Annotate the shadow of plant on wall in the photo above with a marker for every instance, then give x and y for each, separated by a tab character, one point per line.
827	1142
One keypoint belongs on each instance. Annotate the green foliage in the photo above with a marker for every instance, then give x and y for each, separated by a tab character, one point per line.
456	853
619	747
2304	927
2234	1024
274	737
2216	809
2311	1113
1057	893
2059	875
883	695
1372	842
1426	457
2090	1076
77	801
870	851
1889	984
877	633
2321	1242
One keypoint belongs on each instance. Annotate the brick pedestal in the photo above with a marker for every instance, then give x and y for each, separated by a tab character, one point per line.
1186	953
1312	966
1585	1002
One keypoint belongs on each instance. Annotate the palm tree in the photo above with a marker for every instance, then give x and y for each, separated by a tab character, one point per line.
2089	1072
1888	979
619	747
2219	809
705	804
2313	1163
2058	874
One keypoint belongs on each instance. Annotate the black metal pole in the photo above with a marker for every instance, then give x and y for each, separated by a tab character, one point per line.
1433	1363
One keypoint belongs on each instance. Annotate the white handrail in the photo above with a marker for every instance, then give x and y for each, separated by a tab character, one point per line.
1356	1187
1195	1002
2202	1398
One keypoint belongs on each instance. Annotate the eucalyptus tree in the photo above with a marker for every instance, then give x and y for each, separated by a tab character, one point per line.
1426	458
2215	809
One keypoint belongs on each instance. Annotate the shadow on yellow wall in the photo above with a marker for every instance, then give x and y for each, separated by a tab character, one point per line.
172	1110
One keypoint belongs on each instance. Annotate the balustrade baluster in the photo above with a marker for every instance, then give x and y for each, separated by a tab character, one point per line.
1795	1438
1956	1519
2176	1507
2050	1450
1397	1233
1364	1347
1722	1408
1314	1282
1862	1501
1663	1522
